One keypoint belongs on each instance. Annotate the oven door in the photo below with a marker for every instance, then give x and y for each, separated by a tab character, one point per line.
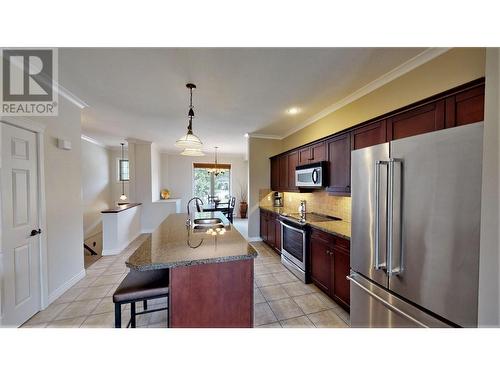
293	245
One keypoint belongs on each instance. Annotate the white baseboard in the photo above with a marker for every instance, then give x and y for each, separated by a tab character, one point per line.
254	239
65	287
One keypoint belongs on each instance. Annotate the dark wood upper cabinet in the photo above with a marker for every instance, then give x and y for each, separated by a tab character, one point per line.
339	158
283	172
369	135
424	119
293	161
312	154
318	152
465	108
304	155
275	173
459	106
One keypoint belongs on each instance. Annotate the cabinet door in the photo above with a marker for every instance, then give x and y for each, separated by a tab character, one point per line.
321	263
424	119
293	161
369	135
275	173
465	108
263	226
304	155
271	239
318	152
283	172
277	235
341	287
339	157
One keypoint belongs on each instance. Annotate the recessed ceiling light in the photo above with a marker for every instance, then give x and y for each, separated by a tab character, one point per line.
246	135
293	111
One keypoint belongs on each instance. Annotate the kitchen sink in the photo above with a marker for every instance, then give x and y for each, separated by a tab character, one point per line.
208	226
208	222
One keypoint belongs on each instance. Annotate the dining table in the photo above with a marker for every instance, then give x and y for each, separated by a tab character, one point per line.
212	206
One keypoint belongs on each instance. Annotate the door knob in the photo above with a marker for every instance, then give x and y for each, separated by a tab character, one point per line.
34	232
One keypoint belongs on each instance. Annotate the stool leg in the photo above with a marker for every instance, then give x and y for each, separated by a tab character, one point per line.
118	315
145	304
132	315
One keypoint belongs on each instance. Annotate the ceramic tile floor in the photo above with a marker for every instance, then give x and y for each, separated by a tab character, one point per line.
280	299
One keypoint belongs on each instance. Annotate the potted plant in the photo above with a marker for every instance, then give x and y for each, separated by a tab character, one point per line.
243	202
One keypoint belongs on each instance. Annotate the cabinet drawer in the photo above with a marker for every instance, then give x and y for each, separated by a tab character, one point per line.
323	236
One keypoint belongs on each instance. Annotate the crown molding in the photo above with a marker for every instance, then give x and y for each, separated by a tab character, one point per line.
138	141
416	61
69	96
94	141
264	136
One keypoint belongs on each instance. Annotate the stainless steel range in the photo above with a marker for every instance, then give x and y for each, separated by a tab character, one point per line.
295	241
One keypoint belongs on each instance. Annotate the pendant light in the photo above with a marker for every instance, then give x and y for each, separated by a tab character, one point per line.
123	197
216	171
190	142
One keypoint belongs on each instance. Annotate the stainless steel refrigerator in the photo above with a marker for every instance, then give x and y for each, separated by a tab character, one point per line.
416	205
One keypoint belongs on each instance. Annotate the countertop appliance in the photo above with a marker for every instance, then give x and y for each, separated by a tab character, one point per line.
310	175
295	241
416	206
278	199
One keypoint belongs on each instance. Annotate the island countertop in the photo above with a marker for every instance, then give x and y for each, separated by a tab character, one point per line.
173	244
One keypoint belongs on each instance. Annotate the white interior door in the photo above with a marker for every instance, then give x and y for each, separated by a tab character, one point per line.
20	252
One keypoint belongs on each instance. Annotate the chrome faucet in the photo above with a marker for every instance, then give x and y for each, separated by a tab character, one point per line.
188	221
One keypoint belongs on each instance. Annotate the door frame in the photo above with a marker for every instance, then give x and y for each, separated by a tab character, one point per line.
39	130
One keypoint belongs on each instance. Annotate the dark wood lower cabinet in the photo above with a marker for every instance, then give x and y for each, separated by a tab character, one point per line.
329	266
270	229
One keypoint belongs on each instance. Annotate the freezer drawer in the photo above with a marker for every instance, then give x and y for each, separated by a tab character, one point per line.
374	307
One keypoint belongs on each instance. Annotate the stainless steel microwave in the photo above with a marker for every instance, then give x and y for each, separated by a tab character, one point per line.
310	175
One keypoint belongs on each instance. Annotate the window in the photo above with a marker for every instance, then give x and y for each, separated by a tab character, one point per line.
207	184
123	171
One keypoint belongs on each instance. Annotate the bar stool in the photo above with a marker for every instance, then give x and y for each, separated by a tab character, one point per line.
140	286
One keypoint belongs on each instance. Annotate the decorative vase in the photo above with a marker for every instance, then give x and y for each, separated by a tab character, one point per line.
243	209
165	194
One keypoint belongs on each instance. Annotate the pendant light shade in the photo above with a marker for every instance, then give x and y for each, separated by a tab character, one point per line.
192	152
190	141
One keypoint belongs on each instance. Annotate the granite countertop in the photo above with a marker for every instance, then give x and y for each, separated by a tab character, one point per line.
336	227
173	245
276	210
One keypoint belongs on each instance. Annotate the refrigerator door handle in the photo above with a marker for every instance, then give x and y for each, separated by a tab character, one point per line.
376	254
391	269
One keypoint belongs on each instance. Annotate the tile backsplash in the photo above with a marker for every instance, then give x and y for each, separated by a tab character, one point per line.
320	202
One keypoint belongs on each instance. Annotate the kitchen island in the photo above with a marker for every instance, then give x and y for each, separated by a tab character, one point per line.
211	271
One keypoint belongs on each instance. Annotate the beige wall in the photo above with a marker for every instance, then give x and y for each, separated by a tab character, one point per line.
96	186
489	266
177	175
453	68
63	191
259	151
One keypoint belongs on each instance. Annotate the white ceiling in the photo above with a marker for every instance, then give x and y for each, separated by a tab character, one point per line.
140	92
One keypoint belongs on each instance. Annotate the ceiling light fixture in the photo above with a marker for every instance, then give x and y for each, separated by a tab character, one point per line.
122	163
293	110
190	141
216	170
